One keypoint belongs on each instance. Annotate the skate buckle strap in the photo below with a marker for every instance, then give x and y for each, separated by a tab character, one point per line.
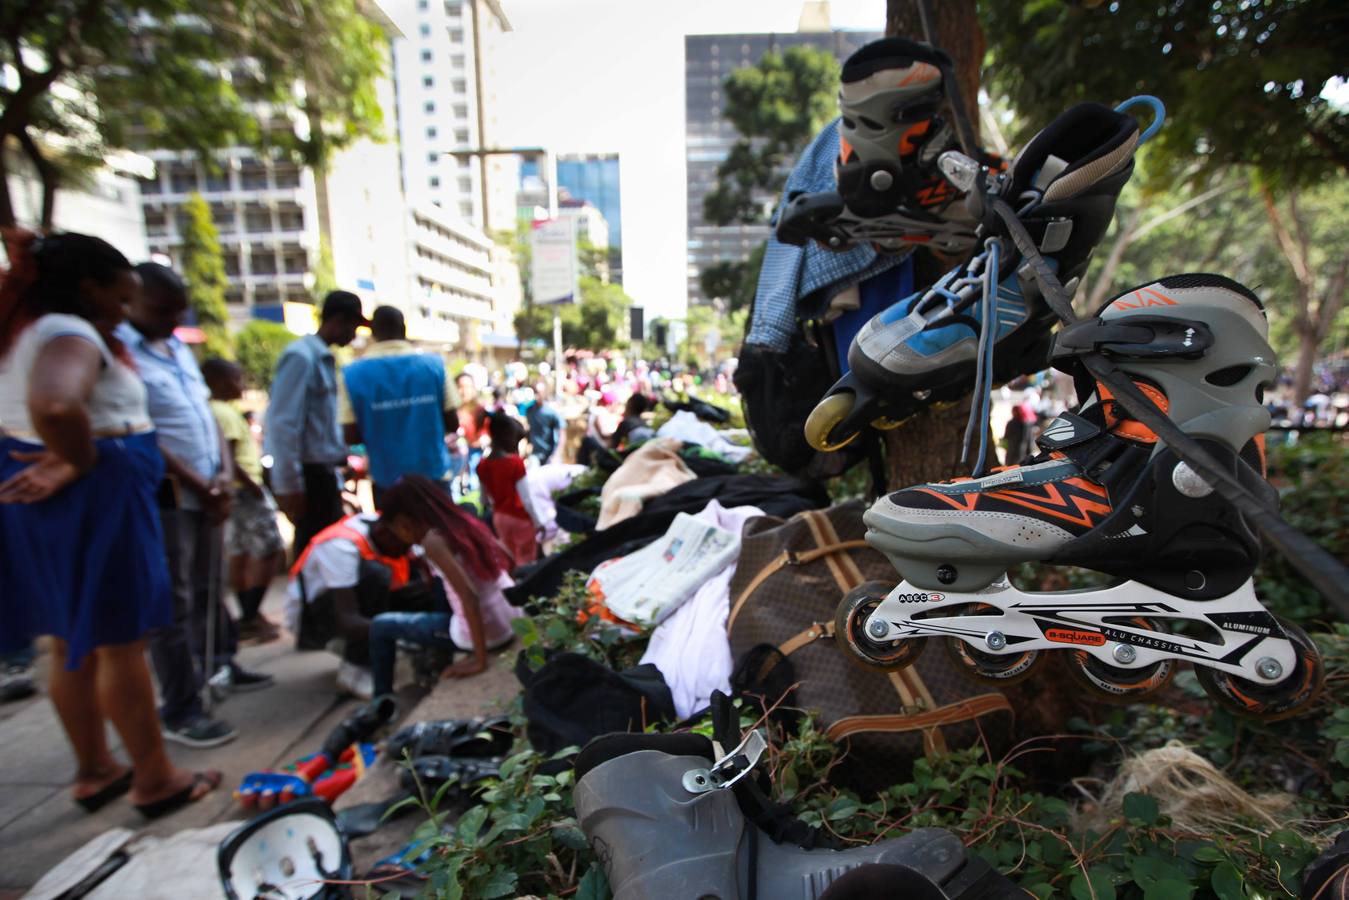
1066	431
1140	337
730	768
959	169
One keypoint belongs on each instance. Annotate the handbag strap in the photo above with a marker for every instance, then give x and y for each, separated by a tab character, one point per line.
961	711
783	560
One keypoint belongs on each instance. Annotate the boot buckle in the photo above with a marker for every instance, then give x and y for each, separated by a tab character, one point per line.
730	768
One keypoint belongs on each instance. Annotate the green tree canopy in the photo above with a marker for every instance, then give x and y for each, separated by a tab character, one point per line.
598	322
777	105
1242	79
1243	82
258	345
204	271
182	74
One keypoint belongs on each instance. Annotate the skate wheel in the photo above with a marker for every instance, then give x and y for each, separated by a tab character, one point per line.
1280	700
824	418
1000	668
1119	685
880	656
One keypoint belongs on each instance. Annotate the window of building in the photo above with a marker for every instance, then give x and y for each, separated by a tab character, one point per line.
428	81
266	293
435	181
429	106
465	162
253	178
263	262
460	86
233	295
217	179
294	262
456	35
426	56
422	5
465	185
232	270
457	60
287	176
257	221
150	186
461	111
425	30
433	158
290	219
223	218
461	135
453	8
183	179
431	131
466	210
156	223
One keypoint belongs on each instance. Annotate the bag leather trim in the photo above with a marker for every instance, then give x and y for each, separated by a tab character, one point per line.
782	560
963	711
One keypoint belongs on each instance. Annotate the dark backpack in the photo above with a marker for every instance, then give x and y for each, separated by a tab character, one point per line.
572	699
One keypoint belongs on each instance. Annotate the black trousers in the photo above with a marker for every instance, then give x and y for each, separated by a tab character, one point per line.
178	651
323	504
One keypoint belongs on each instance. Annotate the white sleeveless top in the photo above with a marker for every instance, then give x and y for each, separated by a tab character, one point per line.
497	612
117	405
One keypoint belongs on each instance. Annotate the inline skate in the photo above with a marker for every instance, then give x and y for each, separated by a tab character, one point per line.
896	122
936	345
1106	494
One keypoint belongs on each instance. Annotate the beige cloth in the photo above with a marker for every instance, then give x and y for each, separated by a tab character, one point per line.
650	471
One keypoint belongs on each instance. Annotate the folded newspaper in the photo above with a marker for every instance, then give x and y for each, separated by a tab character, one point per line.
645	587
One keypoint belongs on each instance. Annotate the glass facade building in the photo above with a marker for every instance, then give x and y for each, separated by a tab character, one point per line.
708	59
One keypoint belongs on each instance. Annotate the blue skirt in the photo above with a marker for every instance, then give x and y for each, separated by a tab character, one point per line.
86	565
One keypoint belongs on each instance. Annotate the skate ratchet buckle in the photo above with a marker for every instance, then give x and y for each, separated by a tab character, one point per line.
730	768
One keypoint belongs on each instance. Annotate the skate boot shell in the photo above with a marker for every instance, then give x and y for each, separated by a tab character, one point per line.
984	322
665	826
1106	494
896	122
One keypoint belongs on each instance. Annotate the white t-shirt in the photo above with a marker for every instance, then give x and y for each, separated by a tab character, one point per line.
117	405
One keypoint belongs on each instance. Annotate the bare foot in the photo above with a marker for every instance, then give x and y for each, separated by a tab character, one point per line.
199	783
88	784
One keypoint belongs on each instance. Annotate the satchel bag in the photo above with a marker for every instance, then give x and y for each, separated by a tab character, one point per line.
789	579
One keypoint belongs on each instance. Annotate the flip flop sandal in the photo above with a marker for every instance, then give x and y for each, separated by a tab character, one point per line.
478	737
111	791
158	808
365	818
433	771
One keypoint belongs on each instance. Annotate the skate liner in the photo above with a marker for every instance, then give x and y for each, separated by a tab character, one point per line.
897	120
985	322
1105	494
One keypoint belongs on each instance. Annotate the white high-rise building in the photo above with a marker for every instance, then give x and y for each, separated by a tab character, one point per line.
441	80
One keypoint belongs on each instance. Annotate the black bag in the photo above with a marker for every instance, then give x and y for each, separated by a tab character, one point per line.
571	699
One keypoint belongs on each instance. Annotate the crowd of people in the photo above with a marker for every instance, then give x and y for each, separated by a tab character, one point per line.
132	488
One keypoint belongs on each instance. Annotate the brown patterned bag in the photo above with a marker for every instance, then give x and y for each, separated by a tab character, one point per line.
789	579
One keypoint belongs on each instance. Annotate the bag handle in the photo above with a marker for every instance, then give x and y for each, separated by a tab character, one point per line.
961	711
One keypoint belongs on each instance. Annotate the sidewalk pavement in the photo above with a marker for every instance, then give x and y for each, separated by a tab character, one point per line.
40	825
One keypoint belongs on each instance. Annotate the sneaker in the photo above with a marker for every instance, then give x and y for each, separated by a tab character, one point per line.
234	679
16	682
355	680
200	731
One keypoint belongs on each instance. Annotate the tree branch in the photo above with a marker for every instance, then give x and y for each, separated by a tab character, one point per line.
1288	246
47	173
1182	209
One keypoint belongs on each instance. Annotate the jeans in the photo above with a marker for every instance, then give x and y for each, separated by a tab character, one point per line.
427	629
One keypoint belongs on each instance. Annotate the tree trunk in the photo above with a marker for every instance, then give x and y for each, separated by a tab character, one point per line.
6	201
927	447
47	174
1306	359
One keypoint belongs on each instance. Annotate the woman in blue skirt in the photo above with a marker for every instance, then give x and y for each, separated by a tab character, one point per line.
81	554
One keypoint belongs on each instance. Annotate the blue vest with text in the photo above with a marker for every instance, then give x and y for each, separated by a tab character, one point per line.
399	403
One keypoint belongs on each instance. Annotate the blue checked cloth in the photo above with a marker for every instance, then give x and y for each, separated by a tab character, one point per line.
791	273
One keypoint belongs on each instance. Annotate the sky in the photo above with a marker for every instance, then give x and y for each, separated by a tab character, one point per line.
603	76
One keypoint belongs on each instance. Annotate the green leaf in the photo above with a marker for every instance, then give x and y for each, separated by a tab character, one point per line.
1098	880
593	885
1141	808
500	884
1152	870
1226	882
1041	890
470	823
570	837
1169	890
842	808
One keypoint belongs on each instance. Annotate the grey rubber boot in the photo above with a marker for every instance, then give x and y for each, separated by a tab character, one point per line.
658	840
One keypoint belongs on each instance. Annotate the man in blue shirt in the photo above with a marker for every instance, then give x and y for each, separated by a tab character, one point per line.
301	432
400	403
194	502
545	425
